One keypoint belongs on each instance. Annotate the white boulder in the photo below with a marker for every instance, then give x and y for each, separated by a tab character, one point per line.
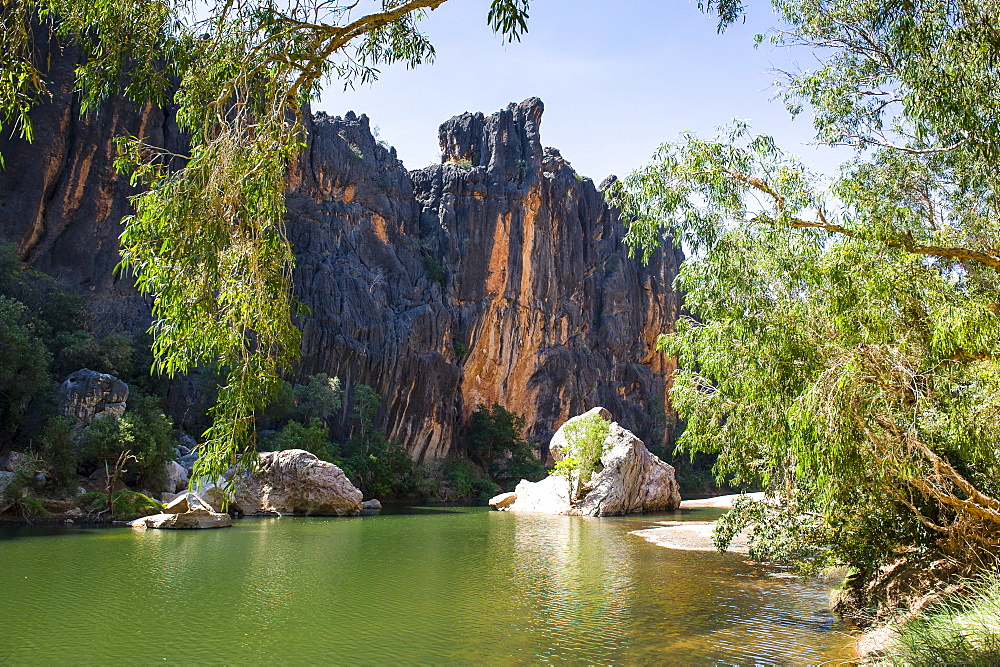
295	481
629	478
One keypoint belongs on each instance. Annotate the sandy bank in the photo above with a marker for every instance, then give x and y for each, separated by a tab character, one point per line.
687	535
721	502
695	535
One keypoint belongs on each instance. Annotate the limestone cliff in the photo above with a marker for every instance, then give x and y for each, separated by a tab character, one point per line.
499	275
536	304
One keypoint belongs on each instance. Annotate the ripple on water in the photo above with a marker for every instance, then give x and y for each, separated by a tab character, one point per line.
466	586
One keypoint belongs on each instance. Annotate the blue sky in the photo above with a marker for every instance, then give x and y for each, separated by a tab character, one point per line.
618	77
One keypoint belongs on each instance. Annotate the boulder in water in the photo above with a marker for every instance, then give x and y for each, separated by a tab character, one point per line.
628	479
190	520
186	502
503	501
295	481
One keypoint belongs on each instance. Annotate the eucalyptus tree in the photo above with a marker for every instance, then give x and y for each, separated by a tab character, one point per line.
842	341
207	239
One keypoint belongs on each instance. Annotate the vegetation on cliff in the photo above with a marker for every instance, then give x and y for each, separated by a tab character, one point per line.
841	347
207	240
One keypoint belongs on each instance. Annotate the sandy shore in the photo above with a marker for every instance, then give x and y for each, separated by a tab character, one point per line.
694	535
722	502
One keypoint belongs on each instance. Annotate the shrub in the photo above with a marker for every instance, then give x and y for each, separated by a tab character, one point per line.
464	482
381	468
126	504
585	438
319	398
26	505
23	366
496	442
58	453
313	438
434	270
144	431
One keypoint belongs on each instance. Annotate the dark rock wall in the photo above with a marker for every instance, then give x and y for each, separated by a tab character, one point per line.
540	308
61	201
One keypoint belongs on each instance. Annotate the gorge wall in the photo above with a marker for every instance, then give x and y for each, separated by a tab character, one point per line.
498	275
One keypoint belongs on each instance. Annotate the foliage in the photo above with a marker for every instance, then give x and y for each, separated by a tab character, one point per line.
461	481
958	630
80	349
23	365
132	504
434	270
58	453
496	441
93	501
841	344
144	431
382	468
313	438
585	436
366	404
126	504
19	492
319	398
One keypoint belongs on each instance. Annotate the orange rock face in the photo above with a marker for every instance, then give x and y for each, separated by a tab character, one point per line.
498	276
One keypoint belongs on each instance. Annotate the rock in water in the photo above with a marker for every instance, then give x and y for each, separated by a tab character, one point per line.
192	519
87	395
629	479
549	496
373	504
633	479
294	481
503	500
187	502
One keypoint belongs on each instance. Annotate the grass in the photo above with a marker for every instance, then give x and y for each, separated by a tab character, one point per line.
128	504
961	629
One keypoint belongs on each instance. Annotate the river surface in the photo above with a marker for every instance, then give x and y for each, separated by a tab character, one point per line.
434	585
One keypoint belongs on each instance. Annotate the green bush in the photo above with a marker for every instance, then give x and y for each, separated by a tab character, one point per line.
382	468
27	505
319	398
144	431
126	504
313	438
58	452
94	501
434	270
585	438
24	366
496	442
463	482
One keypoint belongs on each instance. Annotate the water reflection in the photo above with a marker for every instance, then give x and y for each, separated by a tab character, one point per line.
457	585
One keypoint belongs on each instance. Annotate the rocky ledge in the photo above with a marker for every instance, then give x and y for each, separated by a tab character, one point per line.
628	479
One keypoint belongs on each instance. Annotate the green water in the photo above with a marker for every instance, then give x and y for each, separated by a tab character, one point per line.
458	585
